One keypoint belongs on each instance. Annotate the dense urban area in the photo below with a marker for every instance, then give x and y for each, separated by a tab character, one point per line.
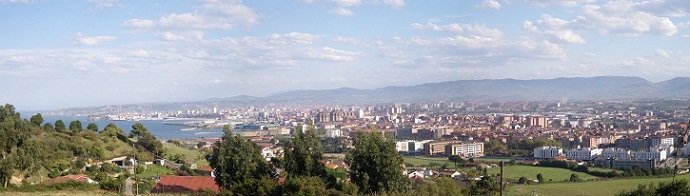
437	148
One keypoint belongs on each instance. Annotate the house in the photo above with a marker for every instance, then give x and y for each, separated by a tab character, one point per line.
451	174
78	178
415	174
184	184
205	171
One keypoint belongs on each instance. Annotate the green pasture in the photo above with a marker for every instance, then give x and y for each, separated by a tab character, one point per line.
603	187
530	172
155	171
422	160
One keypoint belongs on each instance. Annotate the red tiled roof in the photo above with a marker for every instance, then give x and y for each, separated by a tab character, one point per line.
61	179
176	184
206	168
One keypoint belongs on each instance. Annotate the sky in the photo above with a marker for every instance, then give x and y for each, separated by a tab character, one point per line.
60	54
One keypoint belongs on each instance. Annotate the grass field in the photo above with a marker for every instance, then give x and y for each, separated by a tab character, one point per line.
422	160
530	172
608	187
190	155
155	170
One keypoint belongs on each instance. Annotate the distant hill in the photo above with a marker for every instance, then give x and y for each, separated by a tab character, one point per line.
487	90
578	88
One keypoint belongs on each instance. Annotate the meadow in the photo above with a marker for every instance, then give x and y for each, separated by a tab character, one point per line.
530	172
600	187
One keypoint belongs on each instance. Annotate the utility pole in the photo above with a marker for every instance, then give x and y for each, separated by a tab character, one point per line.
134	165
501	180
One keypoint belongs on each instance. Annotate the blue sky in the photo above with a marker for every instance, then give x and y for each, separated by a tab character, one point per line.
57	54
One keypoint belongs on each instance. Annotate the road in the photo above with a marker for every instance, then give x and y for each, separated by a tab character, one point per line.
128	187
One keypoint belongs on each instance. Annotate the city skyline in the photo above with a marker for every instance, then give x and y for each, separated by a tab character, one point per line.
102	52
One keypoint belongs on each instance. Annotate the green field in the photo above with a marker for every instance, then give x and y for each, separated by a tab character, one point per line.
155	171
530	172
607	187
190	155
422	160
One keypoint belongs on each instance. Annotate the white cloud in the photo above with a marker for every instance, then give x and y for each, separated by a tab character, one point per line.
107	3
466	29
662	53
213	15
342	6
294	37
684	24
17	1
490	4
347	3
394	3
342	11
613	18
331	54
564	3
183	36
92	40
554	28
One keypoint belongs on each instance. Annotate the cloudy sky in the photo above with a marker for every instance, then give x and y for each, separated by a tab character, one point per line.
57	54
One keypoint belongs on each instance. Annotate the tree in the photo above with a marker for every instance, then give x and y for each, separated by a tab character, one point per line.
303	157
75	126
375	164
146	139
37	119
456	159
236	160
522	180
486	186
679	187
60	126
304	185
494	146
13	146
540	178
93	127
575	178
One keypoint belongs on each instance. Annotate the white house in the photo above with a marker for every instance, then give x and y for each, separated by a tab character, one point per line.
547	152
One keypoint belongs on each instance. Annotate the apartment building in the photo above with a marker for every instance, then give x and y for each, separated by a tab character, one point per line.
547	152
472	149
583	154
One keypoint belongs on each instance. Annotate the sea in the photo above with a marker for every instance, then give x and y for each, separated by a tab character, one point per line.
159	128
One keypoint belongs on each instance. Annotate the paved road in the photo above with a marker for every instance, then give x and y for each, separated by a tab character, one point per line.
128	187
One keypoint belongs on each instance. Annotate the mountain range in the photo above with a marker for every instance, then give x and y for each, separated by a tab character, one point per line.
579	88
489	90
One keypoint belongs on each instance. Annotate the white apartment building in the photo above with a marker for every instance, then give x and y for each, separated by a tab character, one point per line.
658	155
583	153
474	149
547	152
615	153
